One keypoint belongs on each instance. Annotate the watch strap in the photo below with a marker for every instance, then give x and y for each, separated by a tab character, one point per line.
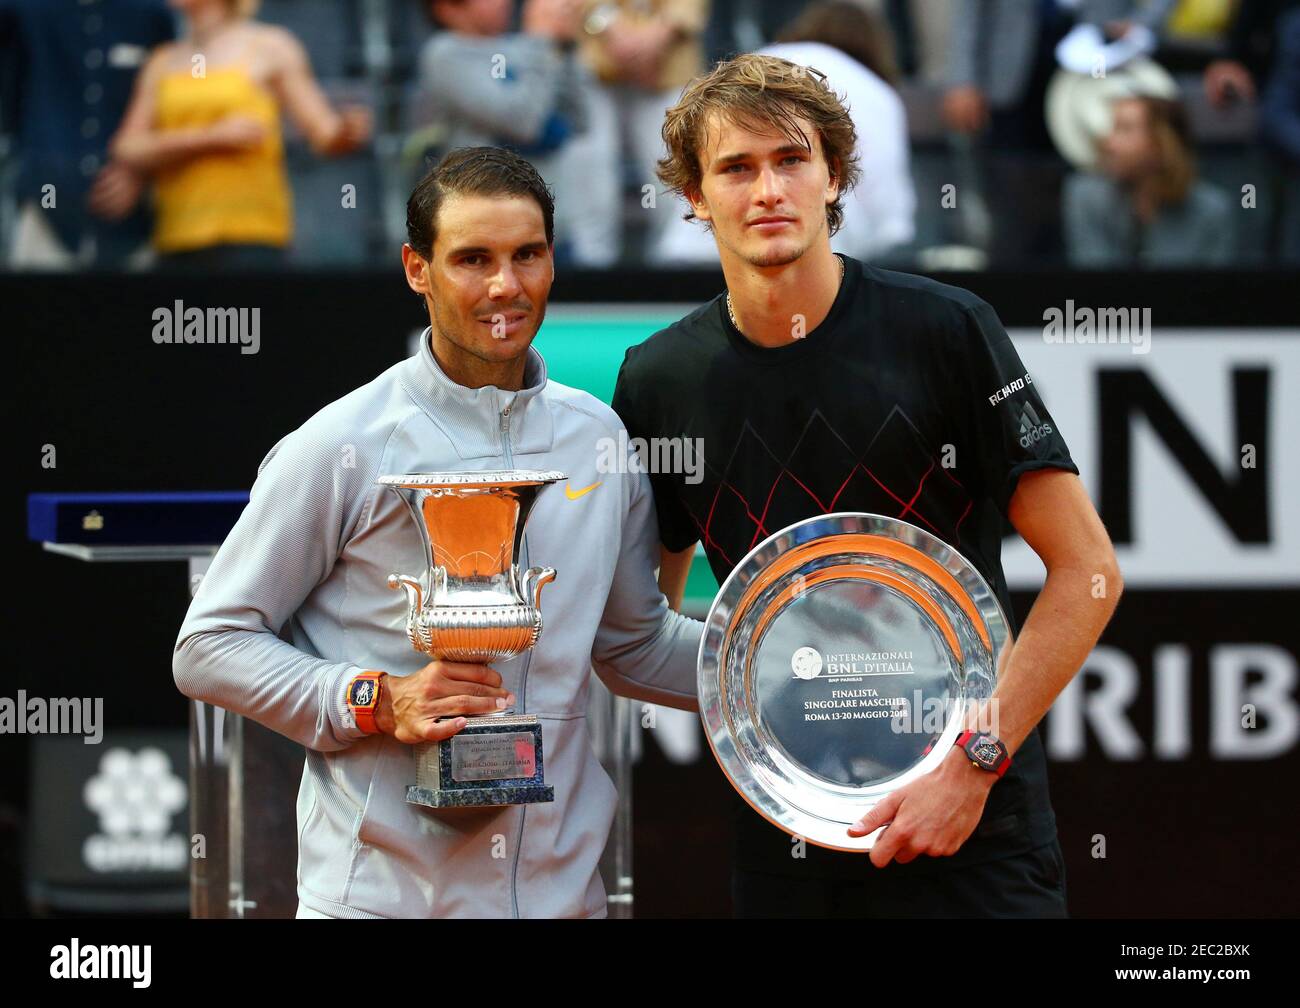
365	713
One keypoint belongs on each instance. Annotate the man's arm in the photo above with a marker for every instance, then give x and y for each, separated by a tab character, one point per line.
1280	107
643	649
965	105
965	38
677	533
143	148
674	569
229	651
463	78
1051	510
329	132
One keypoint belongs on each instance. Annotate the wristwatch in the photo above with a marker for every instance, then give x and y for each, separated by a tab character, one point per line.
986	752
363	699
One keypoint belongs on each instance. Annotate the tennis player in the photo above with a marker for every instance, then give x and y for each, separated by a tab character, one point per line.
818	383
295	627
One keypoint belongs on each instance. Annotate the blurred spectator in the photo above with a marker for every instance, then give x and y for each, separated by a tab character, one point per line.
929	26
642	52
1146	207
852	47
204	122
1194	33
71	66
1204	19
1280	125
1110	33
1249	59
1001	55
490	87
739	26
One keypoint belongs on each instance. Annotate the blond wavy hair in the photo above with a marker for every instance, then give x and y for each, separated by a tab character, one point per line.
763	94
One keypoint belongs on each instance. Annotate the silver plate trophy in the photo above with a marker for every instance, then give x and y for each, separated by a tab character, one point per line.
838	663
475	605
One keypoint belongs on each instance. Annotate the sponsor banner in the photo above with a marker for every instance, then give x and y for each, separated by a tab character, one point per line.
1184	439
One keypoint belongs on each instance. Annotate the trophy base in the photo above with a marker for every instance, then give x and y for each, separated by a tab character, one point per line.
484	797
495	760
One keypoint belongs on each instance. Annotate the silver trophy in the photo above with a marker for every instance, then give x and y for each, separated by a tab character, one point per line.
475	605
839	662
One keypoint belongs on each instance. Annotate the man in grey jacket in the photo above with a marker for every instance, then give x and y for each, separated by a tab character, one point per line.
526	90
295	604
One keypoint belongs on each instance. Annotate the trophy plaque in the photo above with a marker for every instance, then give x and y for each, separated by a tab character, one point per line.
475	605
838	663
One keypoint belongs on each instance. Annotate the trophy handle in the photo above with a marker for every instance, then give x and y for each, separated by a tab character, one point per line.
535	579
413	589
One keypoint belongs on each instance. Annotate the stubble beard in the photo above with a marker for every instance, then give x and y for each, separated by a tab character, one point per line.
777	257
464	343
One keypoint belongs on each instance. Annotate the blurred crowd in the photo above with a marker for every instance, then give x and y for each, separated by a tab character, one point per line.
200	134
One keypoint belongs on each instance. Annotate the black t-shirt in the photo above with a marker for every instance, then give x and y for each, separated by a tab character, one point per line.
908	400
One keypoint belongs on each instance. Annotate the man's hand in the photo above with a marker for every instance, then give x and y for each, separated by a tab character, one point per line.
236	133
555	19
965	109
115	191
933	815
409	706
1227	81
638	49
355	124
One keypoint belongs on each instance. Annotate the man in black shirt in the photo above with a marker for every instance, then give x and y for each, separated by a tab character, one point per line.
818	384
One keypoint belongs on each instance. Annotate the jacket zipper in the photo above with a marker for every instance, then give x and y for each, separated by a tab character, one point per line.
505	435
508	454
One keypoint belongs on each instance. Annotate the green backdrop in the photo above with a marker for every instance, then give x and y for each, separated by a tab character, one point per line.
584	348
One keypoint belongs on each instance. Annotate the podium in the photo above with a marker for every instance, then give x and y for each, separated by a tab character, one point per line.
243	777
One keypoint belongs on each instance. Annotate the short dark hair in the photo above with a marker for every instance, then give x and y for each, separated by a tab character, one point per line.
473	171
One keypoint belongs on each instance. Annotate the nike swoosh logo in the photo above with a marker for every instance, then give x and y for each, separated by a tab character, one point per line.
575	494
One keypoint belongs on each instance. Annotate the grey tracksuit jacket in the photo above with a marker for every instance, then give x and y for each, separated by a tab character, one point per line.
295	604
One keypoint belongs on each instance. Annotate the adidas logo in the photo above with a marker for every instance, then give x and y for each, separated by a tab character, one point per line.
1032	429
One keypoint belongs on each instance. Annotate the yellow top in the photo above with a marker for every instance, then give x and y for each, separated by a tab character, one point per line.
1208	19
221	198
